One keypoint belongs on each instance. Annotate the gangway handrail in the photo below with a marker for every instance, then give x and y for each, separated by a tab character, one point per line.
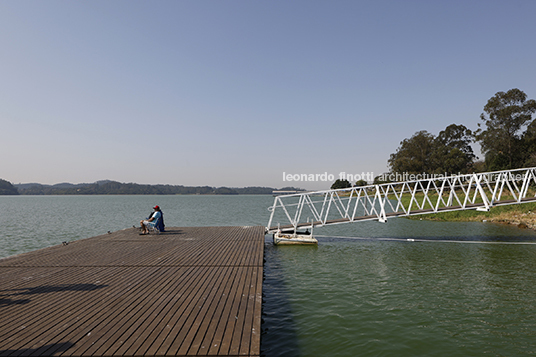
404	198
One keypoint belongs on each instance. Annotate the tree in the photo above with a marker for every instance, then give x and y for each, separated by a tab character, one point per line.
529	145
361	183
341	184
479	166
452	150
414	156
504	116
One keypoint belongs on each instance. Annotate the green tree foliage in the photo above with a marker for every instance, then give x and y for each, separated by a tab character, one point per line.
450	152
414	155
361	183
340	184
479	166
504	117
529	145
6	188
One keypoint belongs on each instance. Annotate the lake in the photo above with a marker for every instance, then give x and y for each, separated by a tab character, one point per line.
366	290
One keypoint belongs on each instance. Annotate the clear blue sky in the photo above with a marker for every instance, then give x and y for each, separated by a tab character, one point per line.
234	93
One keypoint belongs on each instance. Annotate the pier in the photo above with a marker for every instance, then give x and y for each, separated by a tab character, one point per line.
194	291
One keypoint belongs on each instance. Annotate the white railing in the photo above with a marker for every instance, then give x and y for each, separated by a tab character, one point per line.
479	191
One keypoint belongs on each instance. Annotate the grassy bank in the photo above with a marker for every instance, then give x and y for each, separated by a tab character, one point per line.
523	215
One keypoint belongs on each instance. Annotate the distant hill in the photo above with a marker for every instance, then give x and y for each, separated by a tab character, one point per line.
107	187
6	188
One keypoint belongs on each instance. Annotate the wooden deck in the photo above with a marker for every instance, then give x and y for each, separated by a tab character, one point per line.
187	292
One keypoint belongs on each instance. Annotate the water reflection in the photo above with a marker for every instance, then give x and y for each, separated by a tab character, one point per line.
371	297
279	336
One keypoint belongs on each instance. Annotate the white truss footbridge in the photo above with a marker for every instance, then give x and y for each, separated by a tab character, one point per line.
479	191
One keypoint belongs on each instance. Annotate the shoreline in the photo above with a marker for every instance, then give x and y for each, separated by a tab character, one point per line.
521	215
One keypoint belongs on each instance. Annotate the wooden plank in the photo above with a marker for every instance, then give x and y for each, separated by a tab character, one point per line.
92	317
200	290
239	333
102	324
250	331
184	338
123	294
211	327
40	312
127	323
255	346
222	338
201	327
92	309
144	326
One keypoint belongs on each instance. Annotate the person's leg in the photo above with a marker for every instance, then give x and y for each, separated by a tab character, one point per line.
144	229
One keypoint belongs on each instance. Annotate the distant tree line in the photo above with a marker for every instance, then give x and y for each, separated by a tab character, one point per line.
118	188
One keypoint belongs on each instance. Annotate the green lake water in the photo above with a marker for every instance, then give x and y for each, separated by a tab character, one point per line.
457	289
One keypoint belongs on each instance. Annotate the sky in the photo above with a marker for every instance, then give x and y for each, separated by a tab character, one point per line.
244	93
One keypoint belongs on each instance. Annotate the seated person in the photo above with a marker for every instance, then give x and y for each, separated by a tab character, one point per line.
156	220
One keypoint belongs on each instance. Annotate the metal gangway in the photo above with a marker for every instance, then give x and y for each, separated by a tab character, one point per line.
434	194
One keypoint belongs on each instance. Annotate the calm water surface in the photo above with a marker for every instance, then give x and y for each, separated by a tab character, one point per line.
377	294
